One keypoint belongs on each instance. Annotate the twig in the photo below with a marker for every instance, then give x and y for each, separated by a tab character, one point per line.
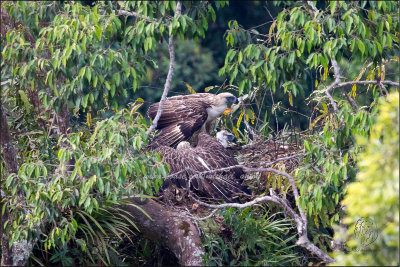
169	76
367	82
351	101
248	169
338	84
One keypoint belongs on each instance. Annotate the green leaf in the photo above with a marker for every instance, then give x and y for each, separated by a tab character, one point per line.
108	86
88	74
333	6
117	78
387	26
85	100
82	72
306	145
361	46
98	32
112	91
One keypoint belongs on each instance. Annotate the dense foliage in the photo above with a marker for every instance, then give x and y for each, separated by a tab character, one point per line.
298	48
375	193
103	62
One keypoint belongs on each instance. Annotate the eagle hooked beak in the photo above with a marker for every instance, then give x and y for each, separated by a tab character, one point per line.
227	111
232	100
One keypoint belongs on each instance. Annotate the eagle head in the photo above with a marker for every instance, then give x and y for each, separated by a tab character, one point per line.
226	98
220	103
225	136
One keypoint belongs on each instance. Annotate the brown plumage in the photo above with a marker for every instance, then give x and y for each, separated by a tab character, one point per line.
184	115
209	154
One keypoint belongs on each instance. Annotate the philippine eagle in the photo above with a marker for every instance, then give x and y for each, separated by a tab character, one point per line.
183	116
210	154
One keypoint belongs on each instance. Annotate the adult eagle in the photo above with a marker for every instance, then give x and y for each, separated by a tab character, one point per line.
209	154
184	115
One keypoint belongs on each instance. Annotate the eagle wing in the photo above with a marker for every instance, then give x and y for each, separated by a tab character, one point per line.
180	108
180	119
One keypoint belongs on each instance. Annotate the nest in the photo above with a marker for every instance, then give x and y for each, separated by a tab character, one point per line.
258	154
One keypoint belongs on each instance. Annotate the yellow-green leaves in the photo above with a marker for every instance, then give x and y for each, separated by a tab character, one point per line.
374	195
361	46
333	5
190	89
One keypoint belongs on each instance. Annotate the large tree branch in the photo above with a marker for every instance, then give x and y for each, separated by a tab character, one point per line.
169	228
169	76
303	240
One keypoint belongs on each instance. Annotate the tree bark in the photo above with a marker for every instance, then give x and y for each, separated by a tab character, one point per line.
7	147
63	120
35	101
10	159
174	230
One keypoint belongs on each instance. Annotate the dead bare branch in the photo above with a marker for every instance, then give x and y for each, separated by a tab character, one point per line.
301	220
367	82
169	76
303	240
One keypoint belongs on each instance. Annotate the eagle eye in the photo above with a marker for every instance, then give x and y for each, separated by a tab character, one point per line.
232	99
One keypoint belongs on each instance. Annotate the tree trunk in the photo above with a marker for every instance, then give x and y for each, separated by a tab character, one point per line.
174	230
7	147
10	160
20	251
